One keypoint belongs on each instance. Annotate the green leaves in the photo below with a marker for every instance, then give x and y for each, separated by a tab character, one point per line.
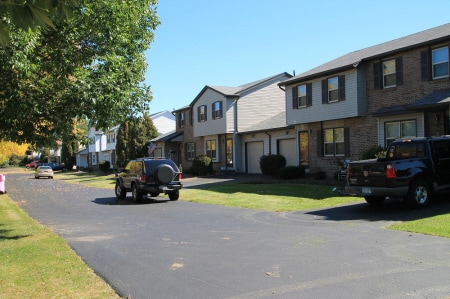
91	66
31	14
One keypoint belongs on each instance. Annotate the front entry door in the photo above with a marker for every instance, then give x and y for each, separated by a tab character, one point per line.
303	140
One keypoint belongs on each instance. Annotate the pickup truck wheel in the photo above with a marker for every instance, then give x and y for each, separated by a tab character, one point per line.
375	200
419	194
173	196
120	190
136	195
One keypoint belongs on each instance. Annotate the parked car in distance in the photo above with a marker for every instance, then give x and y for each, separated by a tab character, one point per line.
43	172
31	164
150	176
55	166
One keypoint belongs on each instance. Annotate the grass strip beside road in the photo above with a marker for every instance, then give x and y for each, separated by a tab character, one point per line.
271	197
36	263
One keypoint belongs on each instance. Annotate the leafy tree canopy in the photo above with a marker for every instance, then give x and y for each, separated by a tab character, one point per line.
90	66
31	14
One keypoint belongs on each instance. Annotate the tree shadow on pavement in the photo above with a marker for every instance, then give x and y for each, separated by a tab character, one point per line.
391	210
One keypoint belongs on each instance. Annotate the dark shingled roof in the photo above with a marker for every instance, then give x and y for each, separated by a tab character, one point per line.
352	59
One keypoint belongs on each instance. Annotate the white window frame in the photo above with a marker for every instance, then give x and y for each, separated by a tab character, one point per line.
442	61
389	73
211	148
182	119
202	112
301	96
217	111
337	144
333	87
190	151
400	129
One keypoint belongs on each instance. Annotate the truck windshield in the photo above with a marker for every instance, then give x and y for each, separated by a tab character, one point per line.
406	149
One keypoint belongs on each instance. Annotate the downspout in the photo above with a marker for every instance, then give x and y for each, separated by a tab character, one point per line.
270	142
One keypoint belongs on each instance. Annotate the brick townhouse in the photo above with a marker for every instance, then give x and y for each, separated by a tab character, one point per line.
369	97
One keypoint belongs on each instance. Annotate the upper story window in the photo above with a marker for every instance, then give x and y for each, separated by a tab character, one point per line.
333	89
191	117
440	63
217	110
111	137
181	118
302	96
388	73
202	113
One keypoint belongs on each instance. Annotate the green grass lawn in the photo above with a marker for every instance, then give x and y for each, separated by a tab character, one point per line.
36	263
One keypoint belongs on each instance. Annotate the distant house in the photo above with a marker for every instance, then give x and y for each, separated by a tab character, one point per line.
228	124
369	97
102	145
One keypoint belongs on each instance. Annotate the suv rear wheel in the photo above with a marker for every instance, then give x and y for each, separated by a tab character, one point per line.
136	195
121	192
174	195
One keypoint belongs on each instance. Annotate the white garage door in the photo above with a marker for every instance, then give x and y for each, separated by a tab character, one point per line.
254	152
287	148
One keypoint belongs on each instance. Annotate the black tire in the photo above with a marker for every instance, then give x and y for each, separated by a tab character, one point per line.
375	200
120	190
155	194
135	194
419	194
173	196
164	174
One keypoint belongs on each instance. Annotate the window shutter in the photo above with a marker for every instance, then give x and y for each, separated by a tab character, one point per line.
198	114
377	76
399	71
221	109
347	142
342	88
325	91
295	97
309	94
206	112
425	65
213	112
319	144
191	117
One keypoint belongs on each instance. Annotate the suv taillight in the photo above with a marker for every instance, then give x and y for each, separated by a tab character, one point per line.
390	171
180	176
143	178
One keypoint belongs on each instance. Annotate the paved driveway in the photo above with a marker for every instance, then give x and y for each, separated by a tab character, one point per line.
188	250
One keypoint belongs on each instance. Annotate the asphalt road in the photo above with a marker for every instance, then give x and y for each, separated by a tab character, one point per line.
188	250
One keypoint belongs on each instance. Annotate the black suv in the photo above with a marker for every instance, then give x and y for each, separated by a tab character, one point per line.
149	176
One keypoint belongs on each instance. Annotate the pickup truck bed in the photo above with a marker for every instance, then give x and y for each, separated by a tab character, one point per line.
412	170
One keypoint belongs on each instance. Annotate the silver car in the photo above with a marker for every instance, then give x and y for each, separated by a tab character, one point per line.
43	172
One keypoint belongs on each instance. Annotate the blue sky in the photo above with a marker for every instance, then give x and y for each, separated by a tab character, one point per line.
231	43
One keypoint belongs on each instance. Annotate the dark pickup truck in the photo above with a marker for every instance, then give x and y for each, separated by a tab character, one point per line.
413	170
